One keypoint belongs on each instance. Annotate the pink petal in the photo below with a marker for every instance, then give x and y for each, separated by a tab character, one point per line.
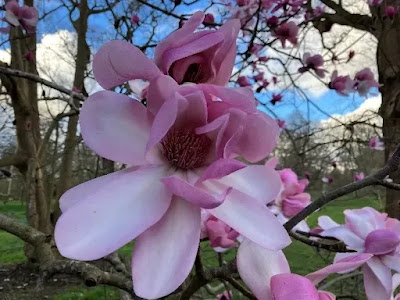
259	138
381	241
164	254
272	162
11	18
225	57
392	261
175	38
326	296
344	234
221	168
326	223
196	195
343	265
253	220
363	221
292	286
260	182
118	62
377	280
116	127
256	266
160	90
118	210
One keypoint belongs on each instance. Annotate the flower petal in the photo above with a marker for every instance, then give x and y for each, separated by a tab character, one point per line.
326	223
115	126
343	265
118	61
292	286
363	221
326	296
194	194
259	138
377	280
160	89
256	266
164	254
344	234
392	261
119	209
220	168
225	58
259	182
253	220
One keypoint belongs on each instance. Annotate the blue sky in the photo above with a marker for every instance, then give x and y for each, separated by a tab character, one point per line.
329	102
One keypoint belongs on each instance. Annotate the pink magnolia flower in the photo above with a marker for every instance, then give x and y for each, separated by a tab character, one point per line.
25	16
359	176
263	58
281	123
368	231
208	19
274	79
29	55
135	19
364	81
292	198
376	144
243	81
205	56
390	11
314	62
226	295
273	21
259	76
288	31
181	148
327	179
267	274
374	2
220	234
342	84
276	98
256	48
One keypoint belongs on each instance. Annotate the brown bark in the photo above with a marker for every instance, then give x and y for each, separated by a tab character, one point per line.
388	59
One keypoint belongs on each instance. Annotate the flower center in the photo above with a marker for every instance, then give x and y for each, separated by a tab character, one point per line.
185	149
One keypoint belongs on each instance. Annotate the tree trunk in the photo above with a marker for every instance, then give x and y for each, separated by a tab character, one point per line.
388	59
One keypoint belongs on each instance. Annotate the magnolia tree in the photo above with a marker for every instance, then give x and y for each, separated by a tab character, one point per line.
179	122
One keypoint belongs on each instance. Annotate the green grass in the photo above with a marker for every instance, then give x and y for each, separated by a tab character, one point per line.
303	259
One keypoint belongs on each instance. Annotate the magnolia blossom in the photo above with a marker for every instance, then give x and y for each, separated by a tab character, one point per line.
201	57
276	98
364	81
259	76
256	48
221	235
342	84
368	231
390	11
25	16
135	19
376	144
208	19
181	148
292	198
288	31
243	81
267	274
281	123
327	179
359	176
273	21
313	62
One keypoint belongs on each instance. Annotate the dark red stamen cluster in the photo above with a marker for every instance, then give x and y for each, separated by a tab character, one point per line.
185	149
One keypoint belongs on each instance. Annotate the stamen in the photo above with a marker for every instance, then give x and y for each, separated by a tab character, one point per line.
185	149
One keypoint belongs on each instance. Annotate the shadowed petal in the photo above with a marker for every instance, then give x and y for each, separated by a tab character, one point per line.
256	266
165	253
377	280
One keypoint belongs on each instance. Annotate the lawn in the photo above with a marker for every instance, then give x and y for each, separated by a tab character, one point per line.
302	258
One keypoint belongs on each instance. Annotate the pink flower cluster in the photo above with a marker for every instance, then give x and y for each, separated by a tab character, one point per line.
313	62
180	150
362	83
376	239
25	16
